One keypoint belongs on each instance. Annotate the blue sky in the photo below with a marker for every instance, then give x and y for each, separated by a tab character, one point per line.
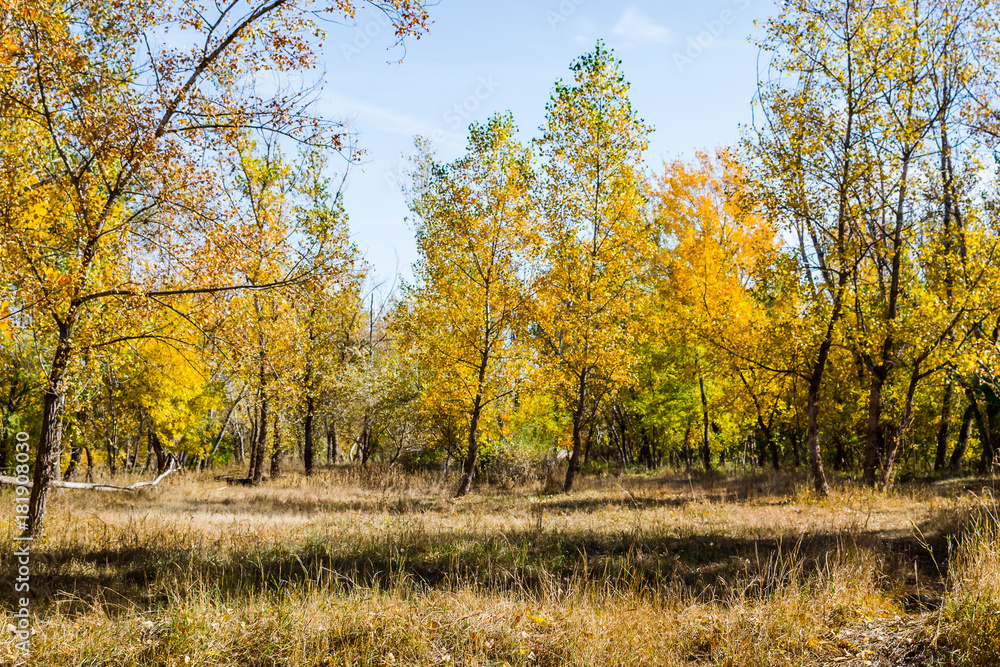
692	69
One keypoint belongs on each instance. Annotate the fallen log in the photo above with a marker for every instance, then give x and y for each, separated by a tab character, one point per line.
12	481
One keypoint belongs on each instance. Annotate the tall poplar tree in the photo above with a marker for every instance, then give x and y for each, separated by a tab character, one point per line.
473	223
596	239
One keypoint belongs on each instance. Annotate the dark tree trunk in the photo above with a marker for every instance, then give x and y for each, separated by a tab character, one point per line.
260	444
276	451
590	441
874	437
793	435
368	442
944	429
6	438
688	454
839	455
112	458
578	414
706	447
307	449
74	462
472	455
812	436
49	452
963	440
773	445
157	448
90	464
992	410
984	430
253	444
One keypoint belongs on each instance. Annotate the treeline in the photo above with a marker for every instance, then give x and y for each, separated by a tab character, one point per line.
181	289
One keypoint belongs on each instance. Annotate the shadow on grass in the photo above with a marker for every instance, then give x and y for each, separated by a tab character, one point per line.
527	562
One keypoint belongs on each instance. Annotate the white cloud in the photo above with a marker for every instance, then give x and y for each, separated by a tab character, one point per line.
638	28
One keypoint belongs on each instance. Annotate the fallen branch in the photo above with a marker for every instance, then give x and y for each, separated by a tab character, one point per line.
92	487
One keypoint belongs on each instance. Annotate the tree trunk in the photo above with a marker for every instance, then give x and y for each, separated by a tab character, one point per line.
6	439
793	435
157	448
49	452
260	445
74	462
332	453
276	452
590	441
253	444
90	464
982	427
944	429
840	454
874	437
574	459
369	444
472	455
688	454
706	447
773	446
899	431
222	430
307	448
963	440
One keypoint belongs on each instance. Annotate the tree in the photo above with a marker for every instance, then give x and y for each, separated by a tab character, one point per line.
596	239
810	162
473	224
112	170
716	256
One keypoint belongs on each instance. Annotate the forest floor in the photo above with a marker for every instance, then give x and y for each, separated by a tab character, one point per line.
376	567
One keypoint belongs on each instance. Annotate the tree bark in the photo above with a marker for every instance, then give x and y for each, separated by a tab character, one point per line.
944	429
686	449
874	436
472	455
157	447
276	451
307	449
578	414
260	445
90	464
49	452
983	427
963	440
793	436
706	447
74	462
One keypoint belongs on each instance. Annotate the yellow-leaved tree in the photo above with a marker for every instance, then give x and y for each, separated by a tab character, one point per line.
473	223
596	240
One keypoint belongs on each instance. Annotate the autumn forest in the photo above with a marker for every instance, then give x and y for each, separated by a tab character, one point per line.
661	367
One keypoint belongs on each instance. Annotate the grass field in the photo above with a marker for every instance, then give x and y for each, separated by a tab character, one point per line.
375	567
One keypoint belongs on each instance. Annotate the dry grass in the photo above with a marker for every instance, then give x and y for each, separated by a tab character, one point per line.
375	567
